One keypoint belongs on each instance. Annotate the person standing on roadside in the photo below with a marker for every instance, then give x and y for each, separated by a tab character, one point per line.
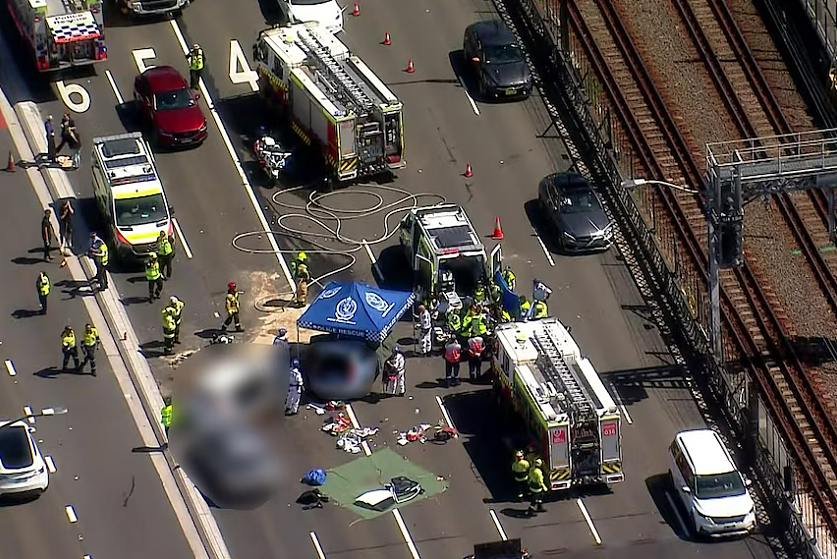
69	348
65	230
196	62
154	278
232	304
89	342
453	354
99	253
47	233
43	286
165	253
49	130
69	136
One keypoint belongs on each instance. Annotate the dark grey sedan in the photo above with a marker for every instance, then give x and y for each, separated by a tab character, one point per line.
575	213
340	369
491	49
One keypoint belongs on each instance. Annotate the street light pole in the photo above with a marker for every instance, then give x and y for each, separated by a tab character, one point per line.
55	410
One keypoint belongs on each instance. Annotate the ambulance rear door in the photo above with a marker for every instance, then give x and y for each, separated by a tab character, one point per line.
611	447
496	260
558	441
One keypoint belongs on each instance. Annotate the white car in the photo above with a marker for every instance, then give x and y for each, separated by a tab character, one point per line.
707	482
22	468
325	12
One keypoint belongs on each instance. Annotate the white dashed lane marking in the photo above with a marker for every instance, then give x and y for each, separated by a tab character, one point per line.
28	412
10	367
50	464
71	514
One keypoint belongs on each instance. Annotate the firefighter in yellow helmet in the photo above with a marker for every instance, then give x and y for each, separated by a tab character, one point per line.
537	488
520	470
301	277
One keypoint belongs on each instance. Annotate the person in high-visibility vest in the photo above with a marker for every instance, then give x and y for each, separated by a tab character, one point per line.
301	258
153	277
196	63
509	277
176	306
539	310
495	293
232	304
68	348
524	307
166	415
302	277
453	322
520	470
99	253
165	253
43	286
169	326
537	487
479	294
89	342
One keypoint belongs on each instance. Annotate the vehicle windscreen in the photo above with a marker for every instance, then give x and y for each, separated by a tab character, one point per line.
307	2
716	486
14	448
171	100
502	54
579	201
140	211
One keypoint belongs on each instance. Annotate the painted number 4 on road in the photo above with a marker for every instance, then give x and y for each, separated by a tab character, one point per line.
238	60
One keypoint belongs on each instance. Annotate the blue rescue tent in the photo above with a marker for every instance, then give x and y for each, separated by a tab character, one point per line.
356	309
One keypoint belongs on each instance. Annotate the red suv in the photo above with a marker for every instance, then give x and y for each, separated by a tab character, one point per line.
166	100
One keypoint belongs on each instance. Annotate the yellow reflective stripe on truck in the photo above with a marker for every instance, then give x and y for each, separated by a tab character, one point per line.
612	467
559	475
140	238
135	194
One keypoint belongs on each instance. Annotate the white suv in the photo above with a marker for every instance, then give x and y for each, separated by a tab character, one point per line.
712	490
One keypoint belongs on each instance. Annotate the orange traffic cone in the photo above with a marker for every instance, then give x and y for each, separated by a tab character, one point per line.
410	69
356	11
10	167
497	235
386	41
468	171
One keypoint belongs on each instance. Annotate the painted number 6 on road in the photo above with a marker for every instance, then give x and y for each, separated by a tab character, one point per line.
74	96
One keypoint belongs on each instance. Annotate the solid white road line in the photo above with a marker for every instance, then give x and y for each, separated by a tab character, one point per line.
545	251
373	259
50	464
245	182
681	526
446	416
28	411
406	533
497	525
589	522
71	514
356	424
468	95
10	367
115	89
181	237
317	547
622	405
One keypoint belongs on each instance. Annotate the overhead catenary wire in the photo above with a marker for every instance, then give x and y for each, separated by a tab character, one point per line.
331	221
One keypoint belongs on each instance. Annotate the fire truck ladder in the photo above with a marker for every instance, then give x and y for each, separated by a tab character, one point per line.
331	67
552	364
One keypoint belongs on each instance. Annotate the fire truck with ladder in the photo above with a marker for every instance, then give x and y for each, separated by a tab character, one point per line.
571	419
332	100
61	33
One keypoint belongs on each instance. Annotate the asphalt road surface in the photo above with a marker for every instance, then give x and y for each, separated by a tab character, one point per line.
114	491
445	129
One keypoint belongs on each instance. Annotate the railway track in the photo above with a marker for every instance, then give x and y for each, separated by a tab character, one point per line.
749	309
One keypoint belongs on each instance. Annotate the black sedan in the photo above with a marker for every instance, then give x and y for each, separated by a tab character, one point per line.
497	61
575	212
